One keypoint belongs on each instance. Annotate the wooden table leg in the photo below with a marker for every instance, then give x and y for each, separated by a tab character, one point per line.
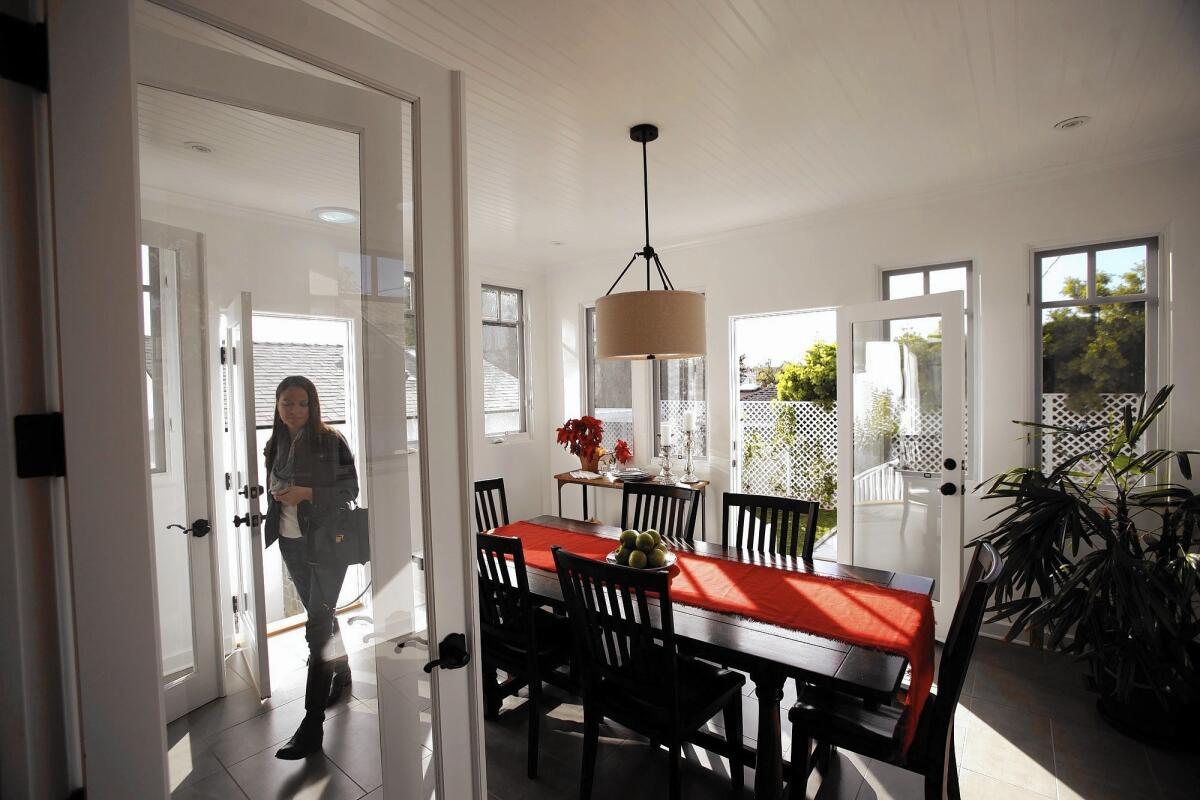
560	498
585	514
768	771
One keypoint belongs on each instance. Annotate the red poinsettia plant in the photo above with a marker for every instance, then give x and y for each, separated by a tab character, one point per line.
581	437
622	452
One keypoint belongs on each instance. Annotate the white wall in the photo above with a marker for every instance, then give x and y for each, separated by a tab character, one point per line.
521	459
835	259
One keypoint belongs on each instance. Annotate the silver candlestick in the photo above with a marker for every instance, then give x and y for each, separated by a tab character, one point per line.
665	475
689	472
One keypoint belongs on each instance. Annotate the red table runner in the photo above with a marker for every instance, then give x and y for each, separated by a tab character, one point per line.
891	620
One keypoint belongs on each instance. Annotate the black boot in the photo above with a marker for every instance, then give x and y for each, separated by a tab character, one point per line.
305	741
341	682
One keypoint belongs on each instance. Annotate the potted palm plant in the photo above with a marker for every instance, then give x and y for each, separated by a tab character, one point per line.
1104	559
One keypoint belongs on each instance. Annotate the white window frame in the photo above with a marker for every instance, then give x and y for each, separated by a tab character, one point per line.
656	398
522	326
1150	297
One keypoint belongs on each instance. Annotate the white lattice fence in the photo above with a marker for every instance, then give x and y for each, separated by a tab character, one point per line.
787	448
1055	412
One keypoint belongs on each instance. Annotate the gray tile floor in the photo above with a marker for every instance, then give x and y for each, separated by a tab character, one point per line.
1026	729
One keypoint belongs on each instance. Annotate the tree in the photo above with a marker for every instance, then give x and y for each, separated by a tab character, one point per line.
1092	350
815	379
764	374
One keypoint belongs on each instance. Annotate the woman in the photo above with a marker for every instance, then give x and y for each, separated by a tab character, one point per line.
312	479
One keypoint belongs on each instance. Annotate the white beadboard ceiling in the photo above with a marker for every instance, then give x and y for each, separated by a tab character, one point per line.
774	109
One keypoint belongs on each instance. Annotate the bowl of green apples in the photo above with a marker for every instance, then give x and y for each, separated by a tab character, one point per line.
642	550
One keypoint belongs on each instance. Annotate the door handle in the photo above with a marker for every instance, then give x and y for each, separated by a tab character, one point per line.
199	529
452	653
246	519
948	488
250	492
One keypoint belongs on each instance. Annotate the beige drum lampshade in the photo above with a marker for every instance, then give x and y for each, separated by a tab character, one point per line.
657	324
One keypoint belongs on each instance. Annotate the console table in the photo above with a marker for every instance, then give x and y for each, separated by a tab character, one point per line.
605	483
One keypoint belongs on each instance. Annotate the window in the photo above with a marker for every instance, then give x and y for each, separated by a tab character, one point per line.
152	350
609	392
679	389
934	279
503	360
1095	320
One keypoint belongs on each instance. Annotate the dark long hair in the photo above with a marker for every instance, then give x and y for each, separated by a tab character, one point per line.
315	425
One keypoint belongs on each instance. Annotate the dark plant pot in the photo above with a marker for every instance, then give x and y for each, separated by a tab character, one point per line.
1142	717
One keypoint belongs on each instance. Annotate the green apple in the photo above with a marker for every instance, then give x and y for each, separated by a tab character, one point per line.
637	559
657	537
629	538
657	557
645	542
623	556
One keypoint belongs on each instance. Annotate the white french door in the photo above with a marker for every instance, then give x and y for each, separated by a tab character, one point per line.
901	441
239	82
243	492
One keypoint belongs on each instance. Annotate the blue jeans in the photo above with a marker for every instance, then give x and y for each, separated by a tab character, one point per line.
319	587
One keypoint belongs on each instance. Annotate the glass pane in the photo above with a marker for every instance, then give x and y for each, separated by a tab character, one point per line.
502	404
342	319
949	280
897	445
491	304
1121	270
610	396
1093	363
510	304
906	284
681	399
1064	277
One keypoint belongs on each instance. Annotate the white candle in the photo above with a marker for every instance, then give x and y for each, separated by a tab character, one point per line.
668	433
689	421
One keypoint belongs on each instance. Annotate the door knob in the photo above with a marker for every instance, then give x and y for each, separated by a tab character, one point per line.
199	529
452	653
948	488
250	492
246	519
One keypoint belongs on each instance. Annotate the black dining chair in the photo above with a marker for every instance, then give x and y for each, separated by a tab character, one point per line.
526	642
631	671
486	517
671	510
767	524
834	719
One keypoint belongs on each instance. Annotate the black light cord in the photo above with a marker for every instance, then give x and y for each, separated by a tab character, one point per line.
647	252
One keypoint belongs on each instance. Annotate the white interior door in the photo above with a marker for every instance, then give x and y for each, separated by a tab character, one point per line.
901	441
178	430
244	491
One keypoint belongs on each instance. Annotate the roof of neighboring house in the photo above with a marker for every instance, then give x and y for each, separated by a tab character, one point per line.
323	364
757	393
501	390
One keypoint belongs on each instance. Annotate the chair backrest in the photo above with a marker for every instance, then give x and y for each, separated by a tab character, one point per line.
485	505
960	642
505	605
671	510
620	637
767	524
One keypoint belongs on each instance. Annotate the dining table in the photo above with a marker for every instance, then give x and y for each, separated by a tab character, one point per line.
768	654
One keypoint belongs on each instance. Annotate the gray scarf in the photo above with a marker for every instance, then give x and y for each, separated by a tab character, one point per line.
283	471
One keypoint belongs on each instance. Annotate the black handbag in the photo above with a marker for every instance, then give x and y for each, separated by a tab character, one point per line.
351	539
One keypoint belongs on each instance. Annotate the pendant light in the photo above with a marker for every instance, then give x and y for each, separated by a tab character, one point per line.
655	323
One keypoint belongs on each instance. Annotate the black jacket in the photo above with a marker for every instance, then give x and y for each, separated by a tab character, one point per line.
328	468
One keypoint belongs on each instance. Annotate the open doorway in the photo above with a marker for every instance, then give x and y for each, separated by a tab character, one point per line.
785	410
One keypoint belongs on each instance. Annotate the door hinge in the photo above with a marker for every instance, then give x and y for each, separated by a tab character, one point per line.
228	481
24	54
223	354
41	449
235	603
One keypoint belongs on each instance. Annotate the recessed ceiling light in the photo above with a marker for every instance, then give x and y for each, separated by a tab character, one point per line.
1072	122
338	216
199	147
